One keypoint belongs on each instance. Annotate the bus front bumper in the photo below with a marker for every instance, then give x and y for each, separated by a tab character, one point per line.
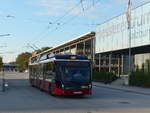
74	92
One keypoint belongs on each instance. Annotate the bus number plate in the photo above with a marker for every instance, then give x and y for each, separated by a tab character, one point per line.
77	92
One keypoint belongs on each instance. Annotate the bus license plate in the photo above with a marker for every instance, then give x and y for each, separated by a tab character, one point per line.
77	92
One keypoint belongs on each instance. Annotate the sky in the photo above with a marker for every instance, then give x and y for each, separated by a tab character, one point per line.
43	23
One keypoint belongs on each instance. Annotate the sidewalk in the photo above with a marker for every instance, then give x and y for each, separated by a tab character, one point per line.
130	89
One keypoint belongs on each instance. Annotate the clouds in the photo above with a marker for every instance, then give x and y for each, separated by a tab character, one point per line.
56	8
60	7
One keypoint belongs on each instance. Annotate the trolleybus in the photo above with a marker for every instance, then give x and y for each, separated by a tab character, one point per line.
61	74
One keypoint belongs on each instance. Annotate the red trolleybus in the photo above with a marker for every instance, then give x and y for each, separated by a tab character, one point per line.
61	74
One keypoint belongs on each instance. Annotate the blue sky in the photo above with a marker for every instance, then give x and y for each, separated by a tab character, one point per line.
34	21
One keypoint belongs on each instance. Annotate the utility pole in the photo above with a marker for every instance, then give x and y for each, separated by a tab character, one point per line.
3	73
129	29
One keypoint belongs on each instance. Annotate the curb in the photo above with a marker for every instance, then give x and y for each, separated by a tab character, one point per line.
122	89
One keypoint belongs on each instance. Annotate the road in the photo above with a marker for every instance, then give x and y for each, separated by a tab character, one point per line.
20	97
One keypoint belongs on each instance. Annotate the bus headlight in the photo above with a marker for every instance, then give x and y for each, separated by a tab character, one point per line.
84	86
90	85
62	86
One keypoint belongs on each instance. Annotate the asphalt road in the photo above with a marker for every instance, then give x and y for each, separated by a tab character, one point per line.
20	97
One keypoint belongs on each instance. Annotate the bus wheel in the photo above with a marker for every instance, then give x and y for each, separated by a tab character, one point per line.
41	88
52	88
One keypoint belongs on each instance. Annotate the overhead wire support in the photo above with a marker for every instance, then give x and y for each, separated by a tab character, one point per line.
74	17
57	21
68	11
71	19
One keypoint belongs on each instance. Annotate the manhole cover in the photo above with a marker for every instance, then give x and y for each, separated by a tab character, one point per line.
123	102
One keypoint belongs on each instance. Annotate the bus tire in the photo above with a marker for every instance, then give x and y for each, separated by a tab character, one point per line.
41	87
52	87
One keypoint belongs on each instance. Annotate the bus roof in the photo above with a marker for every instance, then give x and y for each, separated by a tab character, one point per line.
68	56
51	57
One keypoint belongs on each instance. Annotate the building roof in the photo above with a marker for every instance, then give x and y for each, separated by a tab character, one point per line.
9	64
77	39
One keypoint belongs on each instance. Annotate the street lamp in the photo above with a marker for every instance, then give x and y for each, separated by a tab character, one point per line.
2	75
3	35
129	29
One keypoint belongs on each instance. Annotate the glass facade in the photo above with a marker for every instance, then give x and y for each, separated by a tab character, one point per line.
114	35
118	64
142	62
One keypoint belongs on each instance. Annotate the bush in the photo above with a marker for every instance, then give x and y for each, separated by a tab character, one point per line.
105	77
140	79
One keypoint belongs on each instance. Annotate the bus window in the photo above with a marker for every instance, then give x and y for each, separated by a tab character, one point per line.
40	71
49	72
75	74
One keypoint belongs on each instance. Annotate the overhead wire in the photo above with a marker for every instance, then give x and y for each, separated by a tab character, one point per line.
56	21
74	17
71	19
68	12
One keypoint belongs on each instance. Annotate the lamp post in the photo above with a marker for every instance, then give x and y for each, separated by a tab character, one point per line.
3	74
129	29
3	35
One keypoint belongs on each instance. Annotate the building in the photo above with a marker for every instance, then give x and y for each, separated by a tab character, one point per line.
112	42
84	44
10	67
108	49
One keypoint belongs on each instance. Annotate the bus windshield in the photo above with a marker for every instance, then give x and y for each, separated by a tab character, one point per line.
75	74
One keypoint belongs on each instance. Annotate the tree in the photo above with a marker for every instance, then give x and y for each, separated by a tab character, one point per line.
22	61
1	63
